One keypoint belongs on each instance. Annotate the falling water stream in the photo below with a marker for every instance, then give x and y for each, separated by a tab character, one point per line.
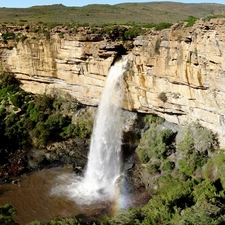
104	160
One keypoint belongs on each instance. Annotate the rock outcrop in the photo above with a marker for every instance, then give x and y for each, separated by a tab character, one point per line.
177	73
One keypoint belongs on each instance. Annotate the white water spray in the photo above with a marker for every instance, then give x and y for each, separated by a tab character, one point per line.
103	168
104	164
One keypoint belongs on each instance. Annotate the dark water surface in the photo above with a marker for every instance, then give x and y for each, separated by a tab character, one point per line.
33	200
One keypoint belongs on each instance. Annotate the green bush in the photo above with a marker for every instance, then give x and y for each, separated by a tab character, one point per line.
153	168
47	35
143	155
17	99
3	113
191	21
154	142
153	119
8	35
168	166
83	126
215	168
198	138
61	221
35	223
186	146
23	38
201	213
208	18
172	194
194	147
133	32
6	215
204	191
125	217
163	25
8	80
189	163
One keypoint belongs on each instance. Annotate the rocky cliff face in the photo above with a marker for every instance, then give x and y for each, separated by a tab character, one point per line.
177	73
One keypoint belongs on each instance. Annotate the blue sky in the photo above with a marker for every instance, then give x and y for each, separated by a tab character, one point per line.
28	3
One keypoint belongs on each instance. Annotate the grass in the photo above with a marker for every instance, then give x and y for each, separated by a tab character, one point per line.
126	13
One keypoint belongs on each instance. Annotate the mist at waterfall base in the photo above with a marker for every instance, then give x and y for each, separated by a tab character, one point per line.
102	180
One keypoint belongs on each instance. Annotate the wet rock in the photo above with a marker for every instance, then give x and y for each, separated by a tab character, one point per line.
129	166
15	181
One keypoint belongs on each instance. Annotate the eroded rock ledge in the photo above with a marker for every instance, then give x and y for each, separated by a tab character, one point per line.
177	73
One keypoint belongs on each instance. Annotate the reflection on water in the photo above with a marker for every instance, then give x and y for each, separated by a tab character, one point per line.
33	200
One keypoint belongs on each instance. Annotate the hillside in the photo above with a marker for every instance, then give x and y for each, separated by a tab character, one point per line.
142	13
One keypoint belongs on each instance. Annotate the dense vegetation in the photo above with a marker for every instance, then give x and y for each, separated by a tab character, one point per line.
188	171
33	121
29	120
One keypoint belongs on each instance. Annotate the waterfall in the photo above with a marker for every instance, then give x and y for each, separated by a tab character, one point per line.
104	159
103	168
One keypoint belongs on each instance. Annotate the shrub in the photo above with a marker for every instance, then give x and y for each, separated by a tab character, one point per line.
143	155
168	166
68	132
149	25
35	114
2	113
154	143
215	168
172	193
204	191
23	38
191	21
189	163
153	168
204	139
17	100
47	35
162	96
8	80
41	135
8	35
83	126
186	146
6	215
132	33
66	221
153	119
126	217
162	26
201	213
55	124
35	223
44	103
195	145
208	18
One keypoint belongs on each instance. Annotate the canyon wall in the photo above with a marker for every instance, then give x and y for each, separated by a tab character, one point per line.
177	73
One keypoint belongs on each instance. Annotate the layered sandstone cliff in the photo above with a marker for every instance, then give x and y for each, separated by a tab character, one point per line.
177	73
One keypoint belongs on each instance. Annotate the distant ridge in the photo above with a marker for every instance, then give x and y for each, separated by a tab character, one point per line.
124	13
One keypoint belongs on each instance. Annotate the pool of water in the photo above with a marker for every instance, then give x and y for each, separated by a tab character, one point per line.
33	199
42	196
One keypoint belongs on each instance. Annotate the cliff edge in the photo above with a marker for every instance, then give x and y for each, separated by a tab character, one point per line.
177	73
